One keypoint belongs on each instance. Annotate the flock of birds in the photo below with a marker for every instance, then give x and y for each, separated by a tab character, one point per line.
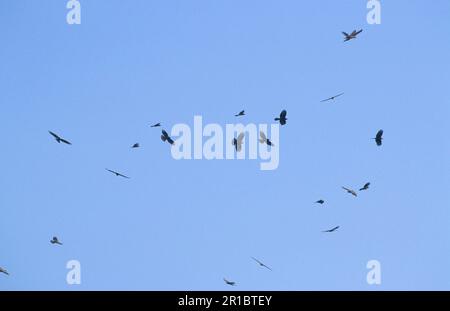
237	143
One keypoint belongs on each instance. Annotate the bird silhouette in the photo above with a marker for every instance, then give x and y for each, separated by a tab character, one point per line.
55	241
166	137
351	36
261	264
331	230
156	125
237	142
332	98
320	202
117	174
379	138
282	117
3	271
242	113
365	187
352	192
59	139
231	283
136	145
264	139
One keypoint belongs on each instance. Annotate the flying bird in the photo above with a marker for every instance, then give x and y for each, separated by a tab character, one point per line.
351	36
229	282
59	139
264	139
379	138
242	113
365	187
331	98
136	145
166	137
55	241
261	264
237	142
156	125
282	117
117	174
352	192
3	271
331	230
320	202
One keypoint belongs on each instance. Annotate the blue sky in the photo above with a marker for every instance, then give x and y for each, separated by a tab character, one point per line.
184	225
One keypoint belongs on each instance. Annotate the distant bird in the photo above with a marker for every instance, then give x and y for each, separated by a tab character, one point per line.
3	271
136	145
365	187
331	230
229	282
282	117
264	139
351	36
117	174
331	98
320	202
261	264
166	137
156	125
237	142
242	113
352	192
55	241
59	139
379	138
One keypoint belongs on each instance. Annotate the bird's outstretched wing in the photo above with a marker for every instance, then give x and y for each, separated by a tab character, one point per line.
263	138
54	135
65	141
345	34
283	114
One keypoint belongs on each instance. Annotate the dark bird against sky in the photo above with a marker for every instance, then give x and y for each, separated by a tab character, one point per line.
365	187
136	145
282	117
351	36
156	125
352	192
166	137
320	202
332	98
242	113
331	230
3	271
379	138
231	283
117	174
261	264
55	240
59	139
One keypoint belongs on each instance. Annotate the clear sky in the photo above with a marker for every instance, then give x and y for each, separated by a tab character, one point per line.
184	225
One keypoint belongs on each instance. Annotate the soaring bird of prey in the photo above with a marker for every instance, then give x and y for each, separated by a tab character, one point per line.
156	125
166	137
59	139
365	187
136	145
261	264
379	138
351	36
237	142
331	230
3	271
282	117
117	174
352	192
264	139
332	97
55	241
242	113
320	202
231	283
